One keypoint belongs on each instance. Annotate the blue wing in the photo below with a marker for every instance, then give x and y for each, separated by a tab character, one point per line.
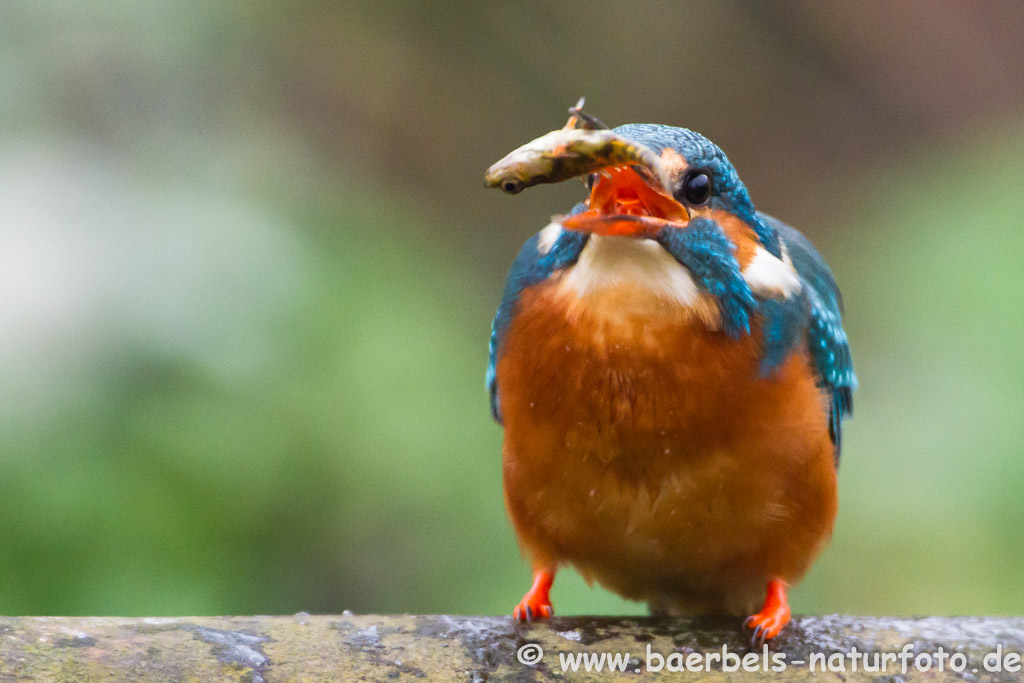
530	267
821	310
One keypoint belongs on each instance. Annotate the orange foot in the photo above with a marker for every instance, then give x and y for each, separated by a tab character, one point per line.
773	616
536	604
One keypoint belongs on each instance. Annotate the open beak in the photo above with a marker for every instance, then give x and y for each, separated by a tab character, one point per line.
625	201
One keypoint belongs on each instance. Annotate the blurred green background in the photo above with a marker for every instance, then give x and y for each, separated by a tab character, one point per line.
247	272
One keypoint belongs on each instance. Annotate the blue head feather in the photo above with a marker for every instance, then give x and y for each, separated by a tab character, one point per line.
728	191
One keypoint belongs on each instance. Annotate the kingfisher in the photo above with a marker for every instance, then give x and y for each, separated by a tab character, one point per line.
671	371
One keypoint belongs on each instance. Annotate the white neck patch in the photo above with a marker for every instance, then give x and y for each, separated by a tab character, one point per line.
771	277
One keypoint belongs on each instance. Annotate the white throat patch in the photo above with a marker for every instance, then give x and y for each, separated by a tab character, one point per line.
607	262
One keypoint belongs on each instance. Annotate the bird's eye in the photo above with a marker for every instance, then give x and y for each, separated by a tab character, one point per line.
696	187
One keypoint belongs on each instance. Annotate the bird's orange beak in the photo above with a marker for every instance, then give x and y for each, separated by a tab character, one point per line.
624	202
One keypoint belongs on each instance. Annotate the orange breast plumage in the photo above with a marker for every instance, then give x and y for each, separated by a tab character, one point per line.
644	446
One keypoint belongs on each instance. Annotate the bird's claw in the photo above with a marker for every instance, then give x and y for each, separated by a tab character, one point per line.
527	612
536	604
762	631
774	615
